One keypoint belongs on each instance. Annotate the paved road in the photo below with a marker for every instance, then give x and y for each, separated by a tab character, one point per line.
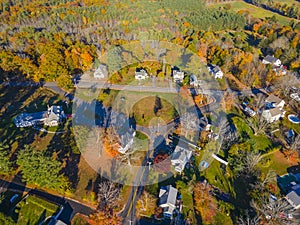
71	206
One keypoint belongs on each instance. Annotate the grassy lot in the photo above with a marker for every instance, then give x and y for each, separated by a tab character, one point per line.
216	177
33	210
143	111
278	163
254	11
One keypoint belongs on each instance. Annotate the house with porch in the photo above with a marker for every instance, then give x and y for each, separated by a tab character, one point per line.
271	60
180	158
167	200
141	74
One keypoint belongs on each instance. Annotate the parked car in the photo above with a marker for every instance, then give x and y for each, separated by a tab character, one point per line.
13	198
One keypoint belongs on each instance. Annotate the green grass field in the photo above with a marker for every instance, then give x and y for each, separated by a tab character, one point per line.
33	210
254	11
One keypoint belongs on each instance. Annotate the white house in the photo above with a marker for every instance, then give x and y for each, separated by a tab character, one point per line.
141	74
101	72
272	115
54	116
273	101
271	60
167	200
126	141
180	158
178	75
215	71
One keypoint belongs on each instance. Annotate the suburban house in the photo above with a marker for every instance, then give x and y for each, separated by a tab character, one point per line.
53	117
141	74
194	81
177	75
124	130
272	115
167	200
126	141
293	197
273	109
271	60
215	71
180	158
273	101
101	72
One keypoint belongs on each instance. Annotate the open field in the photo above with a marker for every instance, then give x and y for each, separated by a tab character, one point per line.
33	210
278	163
144	110
254	11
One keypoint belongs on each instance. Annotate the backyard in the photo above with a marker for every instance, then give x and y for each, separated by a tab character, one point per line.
26	209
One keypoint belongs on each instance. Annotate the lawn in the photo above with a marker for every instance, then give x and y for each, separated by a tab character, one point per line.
144	111
278	163
33	210
256	12
216	177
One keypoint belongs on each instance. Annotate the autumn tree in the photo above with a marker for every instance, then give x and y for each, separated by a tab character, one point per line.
146	204
205	204
162	163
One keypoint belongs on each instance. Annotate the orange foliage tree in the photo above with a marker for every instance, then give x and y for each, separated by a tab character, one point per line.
205	204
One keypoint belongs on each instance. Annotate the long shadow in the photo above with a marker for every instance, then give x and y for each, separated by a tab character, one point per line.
62	145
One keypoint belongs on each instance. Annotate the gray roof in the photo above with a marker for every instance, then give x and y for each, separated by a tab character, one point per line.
270	59
167	195
273	99
29	119
275	112
216	69
181	154
294	197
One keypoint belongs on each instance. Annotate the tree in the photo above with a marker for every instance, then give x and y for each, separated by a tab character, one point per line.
41	170
162	163
5	163
272	212
258	125
108	193
65	81
247	220
146	204
106	216
205	204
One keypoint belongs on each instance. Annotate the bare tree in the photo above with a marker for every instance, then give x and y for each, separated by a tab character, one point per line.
258	125
108	193
250	162
272	212
248	220
261	185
